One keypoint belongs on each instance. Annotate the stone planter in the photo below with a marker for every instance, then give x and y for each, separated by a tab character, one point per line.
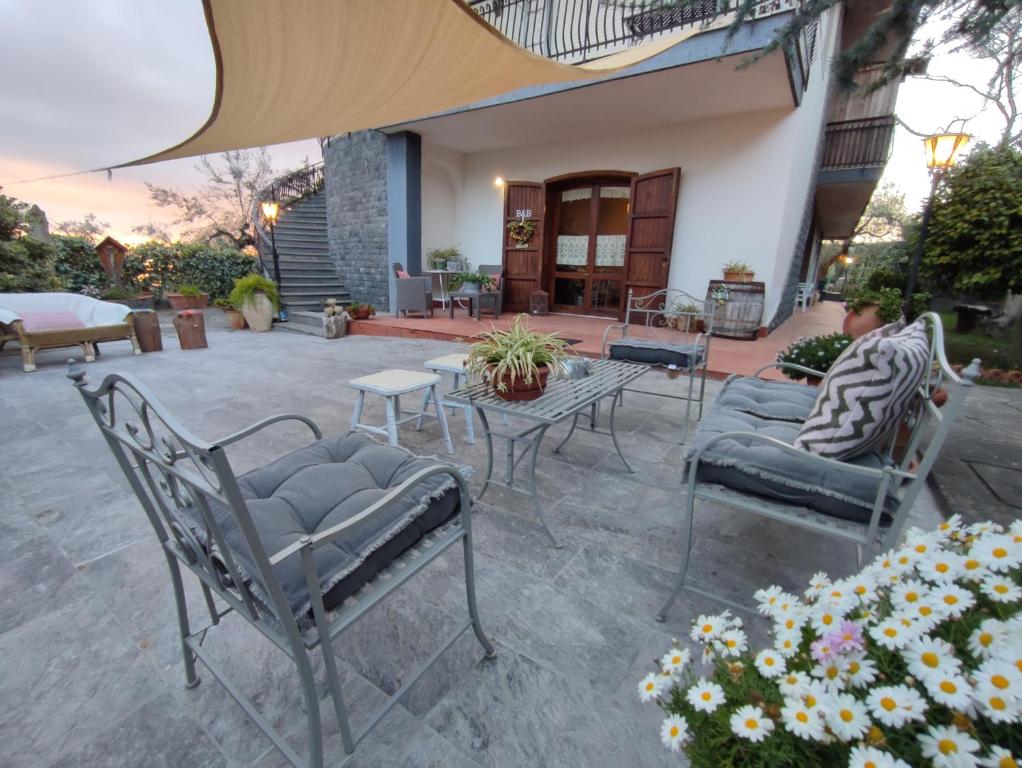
469	287
235	319
258	312
180	301
858	324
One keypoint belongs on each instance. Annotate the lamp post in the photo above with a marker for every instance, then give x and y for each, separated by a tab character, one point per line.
942	150
270	212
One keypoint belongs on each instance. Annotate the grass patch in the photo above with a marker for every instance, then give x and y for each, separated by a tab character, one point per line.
999	349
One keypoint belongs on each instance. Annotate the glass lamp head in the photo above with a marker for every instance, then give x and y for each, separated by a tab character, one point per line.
270	210
942	149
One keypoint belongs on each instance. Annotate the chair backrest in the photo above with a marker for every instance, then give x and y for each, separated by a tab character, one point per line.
185	486
397	266
668	313
492	269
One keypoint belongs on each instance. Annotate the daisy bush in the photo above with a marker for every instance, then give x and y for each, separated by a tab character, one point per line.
916	660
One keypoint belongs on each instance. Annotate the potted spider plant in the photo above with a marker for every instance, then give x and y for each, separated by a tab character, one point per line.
517	362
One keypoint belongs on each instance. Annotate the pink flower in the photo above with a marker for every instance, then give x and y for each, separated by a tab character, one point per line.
822	650
846	638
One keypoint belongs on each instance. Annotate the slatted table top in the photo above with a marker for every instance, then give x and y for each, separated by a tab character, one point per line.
562	397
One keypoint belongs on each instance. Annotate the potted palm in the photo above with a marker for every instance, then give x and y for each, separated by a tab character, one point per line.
517	362
257	296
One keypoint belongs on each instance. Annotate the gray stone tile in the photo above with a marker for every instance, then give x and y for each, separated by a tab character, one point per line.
521	542
37	578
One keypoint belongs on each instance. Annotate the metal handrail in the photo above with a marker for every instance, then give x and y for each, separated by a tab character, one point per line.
285	191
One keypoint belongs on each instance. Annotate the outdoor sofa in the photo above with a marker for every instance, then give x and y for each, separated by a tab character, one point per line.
743	454
48	320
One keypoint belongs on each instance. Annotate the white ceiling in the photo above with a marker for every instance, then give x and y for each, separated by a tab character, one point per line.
665	97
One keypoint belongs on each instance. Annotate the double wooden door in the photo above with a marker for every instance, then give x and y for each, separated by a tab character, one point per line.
593	241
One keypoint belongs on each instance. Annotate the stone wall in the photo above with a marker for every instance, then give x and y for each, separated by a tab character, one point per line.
356	195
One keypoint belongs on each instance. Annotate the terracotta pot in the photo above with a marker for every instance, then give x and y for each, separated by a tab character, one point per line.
1014	377
814	381
858	324
361	313
180	301
939	397
734	277
235	318
520	390
748	277
258	312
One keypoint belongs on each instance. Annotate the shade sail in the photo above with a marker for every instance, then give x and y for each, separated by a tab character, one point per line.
296	69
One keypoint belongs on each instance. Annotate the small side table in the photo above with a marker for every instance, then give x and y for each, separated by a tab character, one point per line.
191	329
390	385
454	364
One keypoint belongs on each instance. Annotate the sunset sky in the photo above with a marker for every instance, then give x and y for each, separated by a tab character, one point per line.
93	83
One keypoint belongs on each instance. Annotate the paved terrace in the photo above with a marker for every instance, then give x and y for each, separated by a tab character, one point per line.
90	669
727	356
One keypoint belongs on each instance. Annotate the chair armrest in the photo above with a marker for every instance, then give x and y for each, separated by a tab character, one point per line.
394	495
790	367
259	425
606	336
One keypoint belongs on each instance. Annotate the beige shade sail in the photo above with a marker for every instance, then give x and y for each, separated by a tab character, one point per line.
296	69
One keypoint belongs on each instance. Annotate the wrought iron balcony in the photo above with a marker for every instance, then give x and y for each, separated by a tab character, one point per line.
580	30
864	143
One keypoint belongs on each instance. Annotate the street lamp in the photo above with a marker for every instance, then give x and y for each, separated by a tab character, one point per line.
942	150
271	210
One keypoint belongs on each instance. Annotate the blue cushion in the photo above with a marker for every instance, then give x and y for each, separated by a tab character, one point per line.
656	352
782	400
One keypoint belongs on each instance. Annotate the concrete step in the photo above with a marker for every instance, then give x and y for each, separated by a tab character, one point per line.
300	321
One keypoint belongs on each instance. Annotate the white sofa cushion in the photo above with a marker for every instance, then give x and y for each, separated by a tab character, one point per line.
92	312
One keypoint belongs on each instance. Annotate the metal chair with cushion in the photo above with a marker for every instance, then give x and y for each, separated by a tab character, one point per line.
414	294
495	271
295	547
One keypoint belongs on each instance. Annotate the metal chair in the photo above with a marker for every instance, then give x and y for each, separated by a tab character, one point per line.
804	295
676	330
496	271
207	521
898	480
414	294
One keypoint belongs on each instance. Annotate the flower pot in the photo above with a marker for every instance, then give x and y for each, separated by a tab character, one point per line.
362	313
731	276
470	287
814	381
258	312
748	277
235	318
858	324
519	389
180	301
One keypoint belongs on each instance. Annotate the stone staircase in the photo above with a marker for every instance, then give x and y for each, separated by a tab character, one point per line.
307	273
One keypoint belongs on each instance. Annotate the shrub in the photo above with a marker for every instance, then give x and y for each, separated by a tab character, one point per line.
190	290
76	263
816	352
26	266
157	267
119	292
248	286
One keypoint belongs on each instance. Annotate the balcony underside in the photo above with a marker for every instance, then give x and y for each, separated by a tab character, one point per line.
615	107
842	197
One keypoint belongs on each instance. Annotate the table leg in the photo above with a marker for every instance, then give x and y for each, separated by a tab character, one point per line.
356	416
567	437
489	451
469	428
613	434
478	305
422	410
442	418
391	422
534	493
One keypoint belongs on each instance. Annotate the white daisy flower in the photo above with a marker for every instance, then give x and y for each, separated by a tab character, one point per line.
950	526
886	569
786	643
793	684
941	566
948	747
750	723
999	552
863	587
927	656
952	599
986	636
650	687
831	674
674	732
770	663
983	528
973	569
1011	649
895	705
767	599
860	671
999	757
951	690
816	696
785	606
793	621
848	718
826	618
891	633
1001	675
706	628
705	696
1001	589
675	659
908	593
998	706
871	757
817	584
927	613
801	721
920	543
733	642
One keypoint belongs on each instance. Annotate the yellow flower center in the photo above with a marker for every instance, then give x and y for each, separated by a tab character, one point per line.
675	659
831	673
891	632
911	597
1006	762
810	701
951	599
920	548
751	724
1000	552
827	619
847	716
675	731
707	695
947	747
930	659
925	610
999	681
1001	589
860	590
903	560
888	703
651	686
996	702
768	661
853	668
985	638
802	717
971	565
942	568
948	687
730	643
707	628
869	764
789	623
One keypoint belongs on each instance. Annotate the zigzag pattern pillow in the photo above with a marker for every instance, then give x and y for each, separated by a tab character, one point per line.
866	393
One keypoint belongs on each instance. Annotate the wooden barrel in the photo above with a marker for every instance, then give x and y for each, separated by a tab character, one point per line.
191	329
147	330
741	313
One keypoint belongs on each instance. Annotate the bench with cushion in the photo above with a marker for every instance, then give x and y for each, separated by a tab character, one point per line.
301	548
825	458
49	320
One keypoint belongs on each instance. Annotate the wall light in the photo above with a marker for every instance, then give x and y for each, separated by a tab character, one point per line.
498	182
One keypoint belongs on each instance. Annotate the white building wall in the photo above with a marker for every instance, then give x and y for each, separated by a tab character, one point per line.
744	185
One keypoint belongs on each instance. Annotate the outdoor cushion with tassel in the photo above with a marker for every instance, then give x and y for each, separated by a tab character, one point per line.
866	393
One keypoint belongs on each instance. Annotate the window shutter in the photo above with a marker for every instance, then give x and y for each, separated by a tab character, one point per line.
522	265
651	230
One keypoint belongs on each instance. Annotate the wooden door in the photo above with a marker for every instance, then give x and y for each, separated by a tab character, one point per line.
522	265
654	200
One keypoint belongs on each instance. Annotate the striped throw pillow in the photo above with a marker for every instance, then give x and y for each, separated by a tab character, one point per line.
866	393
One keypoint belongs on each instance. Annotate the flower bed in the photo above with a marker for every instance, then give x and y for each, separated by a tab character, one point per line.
917	660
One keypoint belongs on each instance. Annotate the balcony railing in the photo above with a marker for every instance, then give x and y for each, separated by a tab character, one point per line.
580	30
861	143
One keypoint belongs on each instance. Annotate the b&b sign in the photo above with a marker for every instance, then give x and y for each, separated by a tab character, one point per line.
523	213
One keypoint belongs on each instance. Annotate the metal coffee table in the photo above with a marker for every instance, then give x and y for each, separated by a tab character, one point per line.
563	399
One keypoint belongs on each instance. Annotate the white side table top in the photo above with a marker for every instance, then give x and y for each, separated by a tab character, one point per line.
453	363
395	382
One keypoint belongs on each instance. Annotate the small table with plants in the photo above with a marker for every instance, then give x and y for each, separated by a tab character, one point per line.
530	397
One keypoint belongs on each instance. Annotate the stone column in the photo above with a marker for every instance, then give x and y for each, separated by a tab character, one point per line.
404	205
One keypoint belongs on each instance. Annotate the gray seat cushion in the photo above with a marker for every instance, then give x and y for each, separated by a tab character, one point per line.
774	474
656	352
782	400
322	485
